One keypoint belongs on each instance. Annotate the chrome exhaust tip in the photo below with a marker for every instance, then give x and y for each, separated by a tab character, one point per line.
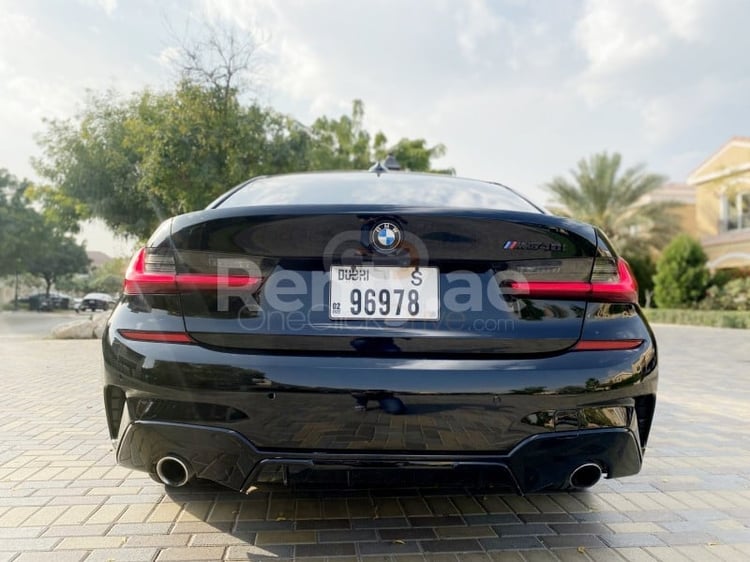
173	471
586	475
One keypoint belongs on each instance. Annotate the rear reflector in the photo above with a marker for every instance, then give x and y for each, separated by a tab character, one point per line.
621	289
162	337
141	279
606	345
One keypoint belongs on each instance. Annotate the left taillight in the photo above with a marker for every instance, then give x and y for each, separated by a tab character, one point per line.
155	272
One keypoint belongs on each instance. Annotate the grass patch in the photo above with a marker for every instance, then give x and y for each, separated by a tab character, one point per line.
688	317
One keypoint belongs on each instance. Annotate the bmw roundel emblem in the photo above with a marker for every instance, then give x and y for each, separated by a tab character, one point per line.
385	237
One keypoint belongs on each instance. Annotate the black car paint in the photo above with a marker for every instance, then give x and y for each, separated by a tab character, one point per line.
469	241
289	408
241	399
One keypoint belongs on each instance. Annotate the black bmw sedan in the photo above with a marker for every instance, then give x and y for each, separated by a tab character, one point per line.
374	320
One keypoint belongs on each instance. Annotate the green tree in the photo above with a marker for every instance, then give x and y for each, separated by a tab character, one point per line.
137	160
133	162
92	163
56	256
681	274
644	269
415	155
109	277
16	220
603	195
104	279
345	144
29	242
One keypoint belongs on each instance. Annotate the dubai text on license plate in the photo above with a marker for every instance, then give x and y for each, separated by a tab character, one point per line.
384	293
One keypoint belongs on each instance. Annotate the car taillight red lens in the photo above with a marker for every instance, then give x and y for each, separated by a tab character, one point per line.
155	274
623	289
160	337
606	345
617	285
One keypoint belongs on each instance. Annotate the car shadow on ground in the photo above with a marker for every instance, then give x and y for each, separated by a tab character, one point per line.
339	513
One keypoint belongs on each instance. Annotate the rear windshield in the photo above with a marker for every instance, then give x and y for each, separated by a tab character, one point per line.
394	188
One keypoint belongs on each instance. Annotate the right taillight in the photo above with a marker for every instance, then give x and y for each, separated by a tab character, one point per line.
152	272
611	281
620	288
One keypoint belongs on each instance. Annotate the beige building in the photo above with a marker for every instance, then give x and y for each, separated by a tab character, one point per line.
722	205
682	196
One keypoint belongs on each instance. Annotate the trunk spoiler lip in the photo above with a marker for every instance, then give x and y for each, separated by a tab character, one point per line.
540	219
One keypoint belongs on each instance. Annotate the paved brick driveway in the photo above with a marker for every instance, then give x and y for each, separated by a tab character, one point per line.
61	497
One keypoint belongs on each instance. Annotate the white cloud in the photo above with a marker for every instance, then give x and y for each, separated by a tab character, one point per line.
683	19
620	38
298	72
107	6
45	68
168	55
295	69
518	91
613	34
476	23
247	15
16	29
672	66
14	24
679	165
672	114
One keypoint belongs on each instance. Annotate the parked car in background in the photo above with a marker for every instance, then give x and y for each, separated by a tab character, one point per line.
45	303
96	301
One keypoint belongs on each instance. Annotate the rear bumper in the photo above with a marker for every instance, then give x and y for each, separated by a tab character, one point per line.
235	416
331	403
226	457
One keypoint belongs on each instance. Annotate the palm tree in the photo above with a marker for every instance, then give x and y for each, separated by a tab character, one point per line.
600	195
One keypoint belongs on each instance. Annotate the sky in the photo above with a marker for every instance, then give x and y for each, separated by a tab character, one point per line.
517	90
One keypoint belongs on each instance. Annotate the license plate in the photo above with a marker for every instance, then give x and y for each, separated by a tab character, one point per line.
384	293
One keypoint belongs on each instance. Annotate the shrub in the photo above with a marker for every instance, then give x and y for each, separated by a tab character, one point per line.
733	295
681	275
643	268
713	318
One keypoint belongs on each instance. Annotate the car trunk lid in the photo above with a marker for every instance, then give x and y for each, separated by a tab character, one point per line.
259	279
